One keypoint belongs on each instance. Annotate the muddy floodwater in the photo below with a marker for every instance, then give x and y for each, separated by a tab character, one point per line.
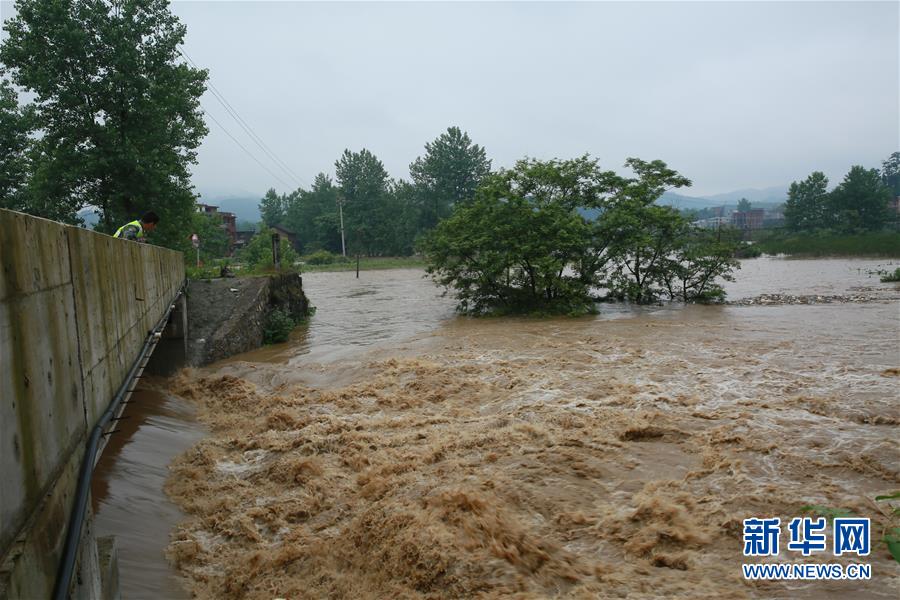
392	449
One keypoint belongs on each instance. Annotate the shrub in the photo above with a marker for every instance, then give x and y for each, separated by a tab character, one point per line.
324	257
888	277
278	327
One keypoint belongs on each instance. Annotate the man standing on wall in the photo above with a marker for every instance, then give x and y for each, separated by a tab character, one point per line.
135	230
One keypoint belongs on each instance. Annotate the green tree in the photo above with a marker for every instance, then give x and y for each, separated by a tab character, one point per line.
701	257
313	216
258	252
272	208
404	211
118	115
15	127
364	184
648	251
508	249
648	236
743	205
214	241
806	207
450	172
527	241
890	173
860	201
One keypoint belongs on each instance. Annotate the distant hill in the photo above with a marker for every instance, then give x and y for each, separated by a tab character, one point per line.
681	202
773	195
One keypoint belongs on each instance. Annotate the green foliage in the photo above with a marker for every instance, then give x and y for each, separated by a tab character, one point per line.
859	202
743	205
524	245
508	249
691	270
806	208
210	271
890	277
118	115
324	257
748	251
313	216
882	243
214	242
378	213
890	173
382	217
368	263
279	325
273	208
364	185
654	251
257	254
891	536
450	172
15	126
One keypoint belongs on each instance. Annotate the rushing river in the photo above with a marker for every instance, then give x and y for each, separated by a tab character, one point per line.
391	448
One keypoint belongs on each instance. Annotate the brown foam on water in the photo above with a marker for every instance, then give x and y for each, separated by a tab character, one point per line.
553	462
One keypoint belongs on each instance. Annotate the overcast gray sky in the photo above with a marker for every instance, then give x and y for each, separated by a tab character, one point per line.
732	94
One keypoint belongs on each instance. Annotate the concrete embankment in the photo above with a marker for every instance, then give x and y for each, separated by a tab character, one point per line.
75	309
228	316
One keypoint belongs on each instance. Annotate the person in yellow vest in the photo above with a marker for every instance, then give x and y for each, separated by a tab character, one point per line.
135	230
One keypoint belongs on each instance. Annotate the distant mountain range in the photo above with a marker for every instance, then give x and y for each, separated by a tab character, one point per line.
760	198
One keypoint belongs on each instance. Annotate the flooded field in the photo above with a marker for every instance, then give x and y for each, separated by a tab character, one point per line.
392	449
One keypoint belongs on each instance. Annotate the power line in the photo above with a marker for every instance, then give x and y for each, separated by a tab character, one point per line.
250	154
246	127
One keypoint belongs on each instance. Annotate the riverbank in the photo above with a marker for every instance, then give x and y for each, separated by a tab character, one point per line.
396	451
881	244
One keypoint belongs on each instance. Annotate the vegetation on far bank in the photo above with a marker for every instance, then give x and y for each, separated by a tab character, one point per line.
876	244
366	263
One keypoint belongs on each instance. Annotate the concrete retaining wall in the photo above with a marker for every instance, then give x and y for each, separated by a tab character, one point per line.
75	309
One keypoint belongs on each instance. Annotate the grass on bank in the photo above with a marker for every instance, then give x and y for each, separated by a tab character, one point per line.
367	264
213	268
882	244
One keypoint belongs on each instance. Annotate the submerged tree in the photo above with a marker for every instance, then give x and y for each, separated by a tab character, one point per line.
529	241
118	114
511	247
701	258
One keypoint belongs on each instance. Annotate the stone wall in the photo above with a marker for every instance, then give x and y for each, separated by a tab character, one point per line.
228	316
75	309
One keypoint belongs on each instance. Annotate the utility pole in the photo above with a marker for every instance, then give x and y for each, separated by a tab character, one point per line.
341	211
